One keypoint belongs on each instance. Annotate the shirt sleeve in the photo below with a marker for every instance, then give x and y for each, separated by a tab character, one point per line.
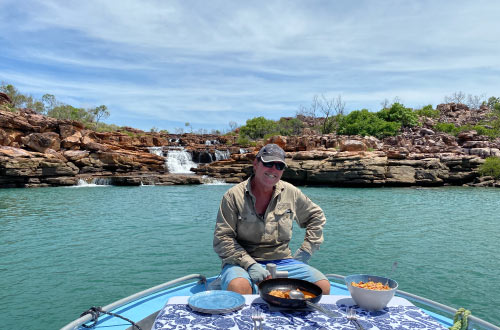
311	217
225	243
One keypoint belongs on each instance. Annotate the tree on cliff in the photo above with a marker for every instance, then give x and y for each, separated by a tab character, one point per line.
495	112
65	111
19	100
333	109
258	127
100	112
51	107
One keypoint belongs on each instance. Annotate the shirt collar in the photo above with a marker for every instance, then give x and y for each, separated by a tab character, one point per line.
278	188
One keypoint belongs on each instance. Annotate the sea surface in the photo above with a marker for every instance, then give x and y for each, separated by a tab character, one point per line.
63	250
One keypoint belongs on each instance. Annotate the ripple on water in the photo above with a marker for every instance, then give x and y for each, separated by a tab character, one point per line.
88	246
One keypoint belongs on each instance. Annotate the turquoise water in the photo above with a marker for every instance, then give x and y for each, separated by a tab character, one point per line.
63	250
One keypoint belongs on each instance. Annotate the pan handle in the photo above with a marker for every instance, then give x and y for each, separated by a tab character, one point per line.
323	310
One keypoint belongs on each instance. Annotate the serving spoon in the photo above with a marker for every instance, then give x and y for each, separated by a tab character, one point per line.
296	294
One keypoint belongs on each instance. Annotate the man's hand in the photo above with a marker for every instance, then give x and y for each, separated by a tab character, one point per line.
302	255
258	273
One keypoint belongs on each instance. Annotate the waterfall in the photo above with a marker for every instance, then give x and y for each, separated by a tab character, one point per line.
156	151
243	151
179	161
211	142
221	155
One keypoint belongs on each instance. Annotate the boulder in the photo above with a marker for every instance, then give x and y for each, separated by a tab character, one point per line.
352	145
72	141
5	99
426	131
42	141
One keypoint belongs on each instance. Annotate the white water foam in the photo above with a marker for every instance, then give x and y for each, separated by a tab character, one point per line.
95	182
213	181
156	151
180	161
211	142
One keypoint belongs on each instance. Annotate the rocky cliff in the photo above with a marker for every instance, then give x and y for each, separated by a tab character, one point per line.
417	157
40	151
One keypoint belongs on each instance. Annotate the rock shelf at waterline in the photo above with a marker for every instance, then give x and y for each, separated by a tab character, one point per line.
39	151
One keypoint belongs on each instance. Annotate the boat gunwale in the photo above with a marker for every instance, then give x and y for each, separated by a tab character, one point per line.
136	296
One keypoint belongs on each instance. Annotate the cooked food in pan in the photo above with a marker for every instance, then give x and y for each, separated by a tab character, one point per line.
286	294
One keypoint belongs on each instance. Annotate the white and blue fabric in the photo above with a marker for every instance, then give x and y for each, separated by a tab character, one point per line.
400	314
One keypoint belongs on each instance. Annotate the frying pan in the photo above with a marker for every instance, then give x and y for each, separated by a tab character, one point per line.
285	284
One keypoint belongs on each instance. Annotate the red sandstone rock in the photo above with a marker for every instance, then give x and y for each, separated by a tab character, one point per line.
42	141
4	98
352	145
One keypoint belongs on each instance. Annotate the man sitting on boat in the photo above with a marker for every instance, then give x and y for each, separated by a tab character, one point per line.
254	227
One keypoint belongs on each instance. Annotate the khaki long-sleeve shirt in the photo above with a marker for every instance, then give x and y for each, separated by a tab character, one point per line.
242	237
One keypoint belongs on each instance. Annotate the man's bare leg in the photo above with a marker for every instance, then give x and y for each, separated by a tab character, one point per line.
241	285
324	285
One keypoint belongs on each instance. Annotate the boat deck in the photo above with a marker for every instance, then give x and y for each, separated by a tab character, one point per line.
143	306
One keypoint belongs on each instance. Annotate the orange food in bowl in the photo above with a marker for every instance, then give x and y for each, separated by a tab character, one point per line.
370	285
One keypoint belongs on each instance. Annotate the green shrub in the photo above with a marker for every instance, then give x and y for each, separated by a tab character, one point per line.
287	126
66	111
258	127
103	127
446	128
7	107
428	111
270	135
399	113
243	141
480	129
331	124
491	167
366	123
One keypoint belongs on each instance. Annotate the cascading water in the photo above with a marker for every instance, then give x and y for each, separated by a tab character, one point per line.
180	161
94	182
221	155
156	151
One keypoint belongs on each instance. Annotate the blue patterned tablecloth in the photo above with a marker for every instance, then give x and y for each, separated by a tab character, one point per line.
400	314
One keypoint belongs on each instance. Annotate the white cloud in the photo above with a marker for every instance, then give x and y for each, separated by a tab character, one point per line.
176	60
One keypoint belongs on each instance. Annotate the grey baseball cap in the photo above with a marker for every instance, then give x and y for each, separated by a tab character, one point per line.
271	153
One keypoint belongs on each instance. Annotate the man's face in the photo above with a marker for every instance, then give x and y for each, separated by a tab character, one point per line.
266	176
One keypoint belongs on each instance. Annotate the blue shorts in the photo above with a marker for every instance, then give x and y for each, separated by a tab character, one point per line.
296	269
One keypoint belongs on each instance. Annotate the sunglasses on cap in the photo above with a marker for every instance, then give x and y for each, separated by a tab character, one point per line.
279	165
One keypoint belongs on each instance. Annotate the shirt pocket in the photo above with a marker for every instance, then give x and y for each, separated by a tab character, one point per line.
284	219
250	228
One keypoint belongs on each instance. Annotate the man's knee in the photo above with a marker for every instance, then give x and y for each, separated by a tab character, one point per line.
240	285
324	285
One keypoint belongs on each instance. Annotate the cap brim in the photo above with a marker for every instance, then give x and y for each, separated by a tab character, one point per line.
267	159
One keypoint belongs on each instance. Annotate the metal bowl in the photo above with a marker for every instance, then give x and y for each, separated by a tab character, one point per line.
371	300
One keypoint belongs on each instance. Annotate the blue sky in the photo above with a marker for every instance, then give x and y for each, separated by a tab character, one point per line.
164	63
